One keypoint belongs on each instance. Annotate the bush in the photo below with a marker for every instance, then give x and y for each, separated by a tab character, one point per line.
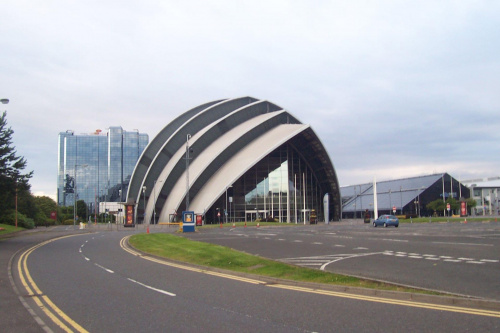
22	220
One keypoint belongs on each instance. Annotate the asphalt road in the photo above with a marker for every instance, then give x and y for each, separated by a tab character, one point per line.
91	282
456	258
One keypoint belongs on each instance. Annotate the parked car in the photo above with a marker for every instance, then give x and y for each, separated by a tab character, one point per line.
386	220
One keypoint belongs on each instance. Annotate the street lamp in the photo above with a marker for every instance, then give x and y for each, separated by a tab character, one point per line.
187	170
225	213
144	213
154	201
75	195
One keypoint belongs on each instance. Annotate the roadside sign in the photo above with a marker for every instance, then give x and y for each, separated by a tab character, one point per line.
394	209
188	221
448	207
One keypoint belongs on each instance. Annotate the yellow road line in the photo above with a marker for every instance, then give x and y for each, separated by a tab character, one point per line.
188	268
448	308
47	306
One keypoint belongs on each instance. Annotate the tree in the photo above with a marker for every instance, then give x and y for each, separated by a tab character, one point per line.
45	206
436	206
12	181
471	203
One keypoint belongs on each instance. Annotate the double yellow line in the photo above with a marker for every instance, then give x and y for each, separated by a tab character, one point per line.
43	302
415	304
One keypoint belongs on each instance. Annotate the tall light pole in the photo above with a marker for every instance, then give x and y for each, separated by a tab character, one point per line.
75	193
144	213
154	200
187	171
6	101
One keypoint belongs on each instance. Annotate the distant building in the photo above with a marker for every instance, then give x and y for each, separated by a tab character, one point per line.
238	159
97	167
485	192
408	196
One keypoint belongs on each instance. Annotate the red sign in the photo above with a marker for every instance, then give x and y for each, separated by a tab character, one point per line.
447	206
53	215
129	213
394	209
199	220
463	208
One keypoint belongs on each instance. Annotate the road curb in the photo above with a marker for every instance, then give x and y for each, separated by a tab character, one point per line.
458	301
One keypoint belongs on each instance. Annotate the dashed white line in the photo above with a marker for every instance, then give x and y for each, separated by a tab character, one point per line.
106	269
152	288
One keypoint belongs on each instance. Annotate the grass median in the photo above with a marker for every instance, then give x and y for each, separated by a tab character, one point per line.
216	256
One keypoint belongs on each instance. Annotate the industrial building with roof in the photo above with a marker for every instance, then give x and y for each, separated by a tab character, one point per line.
407	196
237	159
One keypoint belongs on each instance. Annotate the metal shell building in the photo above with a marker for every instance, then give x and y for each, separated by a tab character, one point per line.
235	159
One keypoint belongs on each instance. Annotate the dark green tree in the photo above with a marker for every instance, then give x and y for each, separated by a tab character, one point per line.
436	206
12	179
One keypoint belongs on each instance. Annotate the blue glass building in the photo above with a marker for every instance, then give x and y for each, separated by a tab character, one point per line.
97	167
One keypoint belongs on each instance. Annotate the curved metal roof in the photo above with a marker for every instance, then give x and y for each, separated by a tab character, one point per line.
228	137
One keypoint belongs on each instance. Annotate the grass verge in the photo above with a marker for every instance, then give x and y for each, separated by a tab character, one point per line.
8	229
199	253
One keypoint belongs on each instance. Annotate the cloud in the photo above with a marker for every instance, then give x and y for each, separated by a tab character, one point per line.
392	88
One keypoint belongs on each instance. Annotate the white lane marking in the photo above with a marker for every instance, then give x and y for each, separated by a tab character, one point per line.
432	258
452	260
318	243
472	244
297	241
360	248
338	245
489	260
415	257
152	288
474	262
86	258
395	240
466	259
106	269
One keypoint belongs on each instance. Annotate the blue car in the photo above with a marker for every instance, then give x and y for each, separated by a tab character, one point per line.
386	220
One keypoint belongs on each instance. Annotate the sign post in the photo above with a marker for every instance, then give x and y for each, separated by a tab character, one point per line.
129	216
188	221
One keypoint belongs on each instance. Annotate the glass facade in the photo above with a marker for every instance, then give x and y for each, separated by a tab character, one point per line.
281	188
97	167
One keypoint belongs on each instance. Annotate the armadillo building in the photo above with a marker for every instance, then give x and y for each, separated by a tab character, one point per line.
237	159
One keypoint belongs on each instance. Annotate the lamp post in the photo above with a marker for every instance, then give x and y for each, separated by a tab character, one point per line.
225	213
154	201
144	213
187	170
6	101
75	194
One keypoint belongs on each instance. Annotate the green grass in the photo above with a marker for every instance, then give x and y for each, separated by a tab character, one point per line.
7	229
185	250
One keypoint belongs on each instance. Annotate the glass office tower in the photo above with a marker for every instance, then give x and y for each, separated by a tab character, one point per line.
97	167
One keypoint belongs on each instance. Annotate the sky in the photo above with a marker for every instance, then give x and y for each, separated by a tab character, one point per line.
393	89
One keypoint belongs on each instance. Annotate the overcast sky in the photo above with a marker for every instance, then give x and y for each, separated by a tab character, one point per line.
392	88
